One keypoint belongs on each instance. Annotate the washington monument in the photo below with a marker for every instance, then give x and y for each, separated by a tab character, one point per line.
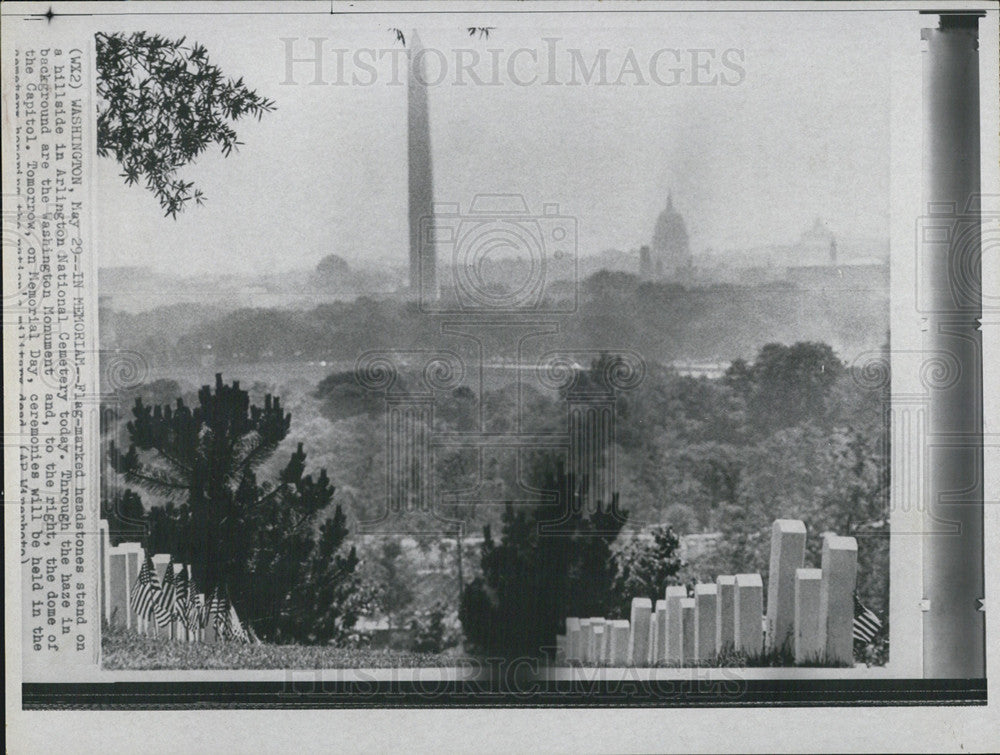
423	273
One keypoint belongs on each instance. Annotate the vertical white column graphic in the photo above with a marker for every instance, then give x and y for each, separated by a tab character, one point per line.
951	303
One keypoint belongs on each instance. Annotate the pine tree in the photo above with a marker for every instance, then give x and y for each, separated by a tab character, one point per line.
552	561
267	544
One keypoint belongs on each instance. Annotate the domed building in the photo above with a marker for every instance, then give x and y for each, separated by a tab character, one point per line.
670	252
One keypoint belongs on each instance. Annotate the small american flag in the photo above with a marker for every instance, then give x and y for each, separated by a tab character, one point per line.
145	590
237	631
218	609
182	596
165	607
866	623
198	615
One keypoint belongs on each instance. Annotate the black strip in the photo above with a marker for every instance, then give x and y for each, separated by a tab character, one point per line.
307	689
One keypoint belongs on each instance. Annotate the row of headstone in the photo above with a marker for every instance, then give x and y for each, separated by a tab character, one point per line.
119	566
810	614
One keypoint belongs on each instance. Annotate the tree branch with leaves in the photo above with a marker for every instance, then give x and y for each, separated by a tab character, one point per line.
163	104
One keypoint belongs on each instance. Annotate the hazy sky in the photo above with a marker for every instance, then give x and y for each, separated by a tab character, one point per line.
804	133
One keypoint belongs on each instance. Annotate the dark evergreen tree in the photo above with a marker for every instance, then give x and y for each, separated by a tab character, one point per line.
267	545
552	561
645	568
125	515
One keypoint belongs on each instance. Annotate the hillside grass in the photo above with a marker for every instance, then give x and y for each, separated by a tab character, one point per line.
124	650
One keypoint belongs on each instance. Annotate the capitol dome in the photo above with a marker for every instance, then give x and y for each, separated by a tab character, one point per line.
671	252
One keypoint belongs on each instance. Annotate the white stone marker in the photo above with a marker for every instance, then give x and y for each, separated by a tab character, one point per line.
560	656
104	548
674	595
808	642
687	631
118	587
572	640
654	633
748	614
660	617
618	643
705	610
584	641
135	557
725	613
638	638
597	644
788	551
836	598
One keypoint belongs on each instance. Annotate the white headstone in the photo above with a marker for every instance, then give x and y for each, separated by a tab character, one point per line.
654	631
808	638
725	613
748	615
660	619
585	641
674	595
104	548
638	639
687	631
618	643
788	550
836	597
597	655
572	640
119	612
594	649
135	558
705	610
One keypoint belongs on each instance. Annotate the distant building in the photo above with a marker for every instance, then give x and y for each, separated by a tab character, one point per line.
813	245
670	250
645	264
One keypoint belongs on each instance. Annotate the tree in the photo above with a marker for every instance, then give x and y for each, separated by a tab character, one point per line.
552	561
396	593
125	516
645	567
788	384
162	105
268	546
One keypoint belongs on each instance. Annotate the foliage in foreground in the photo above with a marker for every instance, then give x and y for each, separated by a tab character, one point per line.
162	105
274	548
552	561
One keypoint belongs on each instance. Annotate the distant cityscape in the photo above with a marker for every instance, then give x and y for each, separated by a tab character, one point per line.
817	260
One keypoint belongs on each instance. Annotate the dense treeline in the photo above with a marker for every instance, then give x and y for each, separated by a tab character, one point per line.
664	322
791	433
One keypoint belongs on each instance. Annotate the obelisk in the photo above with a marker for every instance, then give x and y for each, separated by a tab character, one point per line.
423	273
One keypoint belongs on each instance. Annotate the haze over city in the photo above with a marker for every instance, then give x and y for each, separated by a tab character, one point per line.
803	135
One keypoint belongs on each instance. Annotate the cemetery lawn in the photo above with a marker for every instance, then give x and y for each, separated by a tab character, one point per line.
128	651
